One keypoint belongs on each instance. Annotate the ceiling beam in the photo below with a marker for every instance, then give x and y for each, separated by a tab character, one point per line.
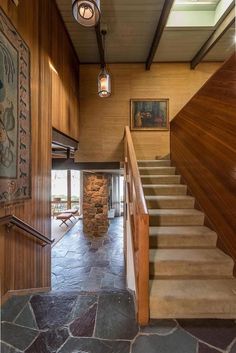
100	44
70	164
158	34
220	30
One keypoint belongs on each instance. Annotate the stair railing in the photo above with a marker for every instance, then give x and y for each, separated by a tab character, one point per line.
136	214
11	220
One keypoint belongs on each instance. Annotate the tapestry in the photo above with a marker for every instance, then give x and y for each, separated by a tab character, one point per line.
15	127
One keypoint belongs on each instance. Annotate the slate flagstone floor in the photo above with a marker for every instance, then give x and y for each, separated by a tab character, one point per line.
80	262
96	314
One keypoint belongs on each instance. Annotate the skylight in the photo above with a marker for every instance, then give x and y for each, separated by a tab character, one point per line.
196	5
197	13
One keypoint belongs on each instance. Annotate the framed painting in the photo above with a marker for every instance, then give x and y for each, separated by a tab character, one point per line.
15	126
149	114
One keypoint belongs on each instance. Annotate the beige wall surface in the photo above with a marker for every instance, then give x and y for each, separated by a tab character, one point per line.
102	120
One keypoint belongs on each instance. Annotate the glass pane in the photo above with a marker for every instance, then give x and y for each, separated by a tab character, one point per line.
121	194
75	189
59	191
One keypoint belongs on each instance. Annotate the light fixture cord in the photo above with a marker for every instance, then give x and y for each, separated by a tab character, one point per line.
104	46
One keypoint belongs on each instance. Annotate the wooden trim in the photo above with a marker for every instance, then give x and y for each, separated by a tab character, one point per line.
214	38
137	214
19	292
65	164
159	31
63	140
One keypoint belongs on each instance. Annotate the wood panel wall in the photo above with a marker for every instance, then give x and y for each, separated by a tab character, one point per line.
65	81
23	263
203	147
102	120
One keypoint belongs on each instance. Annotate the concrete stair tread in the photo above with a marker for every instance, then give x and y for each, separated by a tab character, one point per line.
189	298
190	263
166	186
169	201
164	189
156	167
189	255
175	212
160	170
159	176
181	230
196	237
168	197
153	160
185	288
160	179
176	217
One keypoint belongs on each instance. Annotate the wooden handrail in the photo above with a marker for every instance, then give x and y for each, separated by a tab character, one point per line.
11	220
138	218
135	171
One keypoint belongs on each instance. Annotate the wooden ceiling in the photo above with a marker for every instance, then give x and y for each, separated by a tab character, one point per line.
131	28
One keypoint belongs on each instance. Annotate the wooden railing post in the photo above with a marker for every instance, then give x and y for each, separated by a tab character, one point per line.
143	275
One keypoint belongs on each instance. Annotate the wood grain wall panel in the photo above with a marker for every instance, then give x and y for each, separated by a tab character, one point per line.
203	147
65	83
102	121
24	264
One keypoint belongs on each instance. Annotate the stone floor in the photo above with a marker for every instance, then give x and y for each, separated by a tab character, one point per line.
90	311
59	230
80	262
104	322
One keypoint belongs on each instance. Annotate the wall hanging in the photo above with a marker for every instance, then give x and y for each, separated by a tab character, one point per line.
15	127
149	114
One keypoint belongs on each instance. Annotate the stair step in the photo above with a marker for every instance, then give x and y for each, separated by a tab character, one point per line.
192	263
170	202
182	237
154	163
157	170
160	190
172	217
160	179
193	299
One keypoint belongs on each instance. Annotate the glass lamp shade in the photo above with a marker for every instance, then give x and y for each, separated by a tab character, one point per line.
104	84
86	12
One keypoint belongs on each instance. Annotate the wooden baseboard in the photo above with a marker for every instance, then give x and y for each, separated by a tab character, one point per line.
29	291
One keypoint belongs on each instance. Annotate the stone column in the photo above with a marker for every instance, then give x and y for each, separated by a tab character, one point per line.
95	203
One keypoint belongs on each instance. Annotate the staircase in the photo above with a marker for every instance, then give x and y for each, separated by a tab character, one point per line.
189	276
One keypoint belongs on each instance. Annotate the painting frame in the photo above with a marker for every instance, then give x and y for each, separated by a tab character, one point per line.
15	115
140	110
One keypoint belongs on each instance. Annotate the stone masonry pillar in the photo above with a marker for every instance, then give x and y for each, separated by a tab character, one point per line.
95	203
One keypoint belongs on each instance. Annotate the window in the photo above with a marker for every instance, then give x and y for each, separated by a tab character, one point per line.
65	190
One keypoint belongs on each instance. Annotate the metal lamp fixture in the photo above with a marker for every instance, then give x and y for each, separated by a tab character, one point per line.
104	78
86	12
104	83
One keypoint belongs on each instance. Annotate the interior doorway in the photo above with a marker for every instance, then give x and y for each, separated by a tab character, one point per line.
65	200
